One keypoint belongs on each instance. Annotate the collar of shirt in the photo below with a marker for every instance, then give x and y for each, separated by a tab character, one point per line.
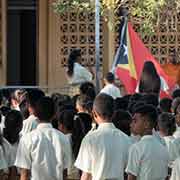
147	137
106	125
44	125
177	128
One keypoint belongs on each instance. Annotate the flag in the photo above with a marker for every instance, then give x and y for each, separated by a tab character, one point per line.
129	61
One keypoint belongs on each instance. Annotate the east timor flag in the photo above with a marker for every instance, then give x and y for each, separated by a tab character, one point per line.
130	58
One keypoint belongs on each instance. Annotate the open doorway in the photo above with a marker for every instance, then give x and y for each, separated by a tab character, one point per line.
21	42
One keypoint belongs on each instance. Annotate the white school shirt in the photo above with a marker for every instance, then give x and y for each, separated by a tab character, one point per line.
45	152
104	152
177	132
135	138
80	75
168	140
175	175
3	162
2	124
148	159
111	90
29	124
174	149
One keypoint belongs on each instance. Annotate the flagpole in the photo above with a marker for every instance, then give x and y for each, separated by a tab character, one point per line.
97	41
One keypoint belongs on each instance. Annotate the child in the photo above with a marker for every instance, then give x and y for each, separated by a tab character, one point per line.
31	122
148	158
13	126
44	153
110	87
103	152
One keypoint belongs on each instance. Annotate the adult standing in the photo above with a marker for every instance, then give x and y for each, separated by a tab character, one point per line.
76	73
172	68
150	81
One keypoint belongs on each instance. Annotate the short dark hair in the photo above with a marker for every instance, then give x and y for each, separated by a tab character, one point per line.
150	99
121	103
167	122
165	104
66	118
33	96
85	102
88	89
104	105
122	120
110	77
149	111
176	93
45	109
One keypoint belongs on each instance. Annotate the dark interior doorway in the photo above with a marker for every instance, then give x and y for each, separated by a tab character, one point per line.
21	42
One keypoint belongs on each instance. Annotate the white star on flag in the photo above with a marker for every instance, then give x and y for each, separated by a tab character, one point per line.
126	50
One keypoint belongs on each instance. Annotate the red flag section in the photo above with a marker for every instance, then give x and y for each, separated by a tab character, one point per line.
130	73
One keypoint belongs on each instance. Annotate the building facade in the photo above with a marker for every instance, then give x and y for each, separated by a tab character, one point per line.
35	42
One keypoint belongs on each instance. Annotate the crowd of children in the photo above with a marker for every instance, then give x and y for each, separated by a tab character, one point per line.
89	136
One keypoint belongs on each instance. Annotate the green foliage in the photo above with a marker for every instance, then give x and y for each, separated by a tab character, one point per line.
149	13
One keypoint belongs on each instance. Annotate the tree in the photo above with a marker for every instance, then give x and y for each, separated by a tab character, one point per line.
149	13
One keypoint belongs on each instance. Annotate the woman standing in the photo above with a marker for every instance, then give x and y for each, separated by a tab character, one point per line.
150	81
76	73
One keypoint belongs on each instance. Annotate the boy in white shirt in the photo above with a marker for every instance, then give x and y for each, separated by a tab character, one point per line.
103	152
175	175
110	88
45	152
148	158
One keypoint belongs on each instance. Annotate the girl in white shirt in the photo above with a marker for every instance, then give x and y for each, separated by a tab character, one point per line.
76	73
13	126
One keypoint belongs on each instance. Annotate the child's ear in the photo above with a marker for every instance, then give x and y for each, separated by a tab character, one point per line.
61	127
147	125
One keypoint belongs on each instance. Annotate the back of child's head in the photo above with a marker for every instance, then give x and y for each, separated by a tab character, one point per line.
175	104
66	118
149	112
33	95
110	77
176	93
23	106
81	126
120	103
85	103
165	105
150	99
167	123
122	120
45	109
88	89
13	126
104	105
4	110
134	99
63	102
